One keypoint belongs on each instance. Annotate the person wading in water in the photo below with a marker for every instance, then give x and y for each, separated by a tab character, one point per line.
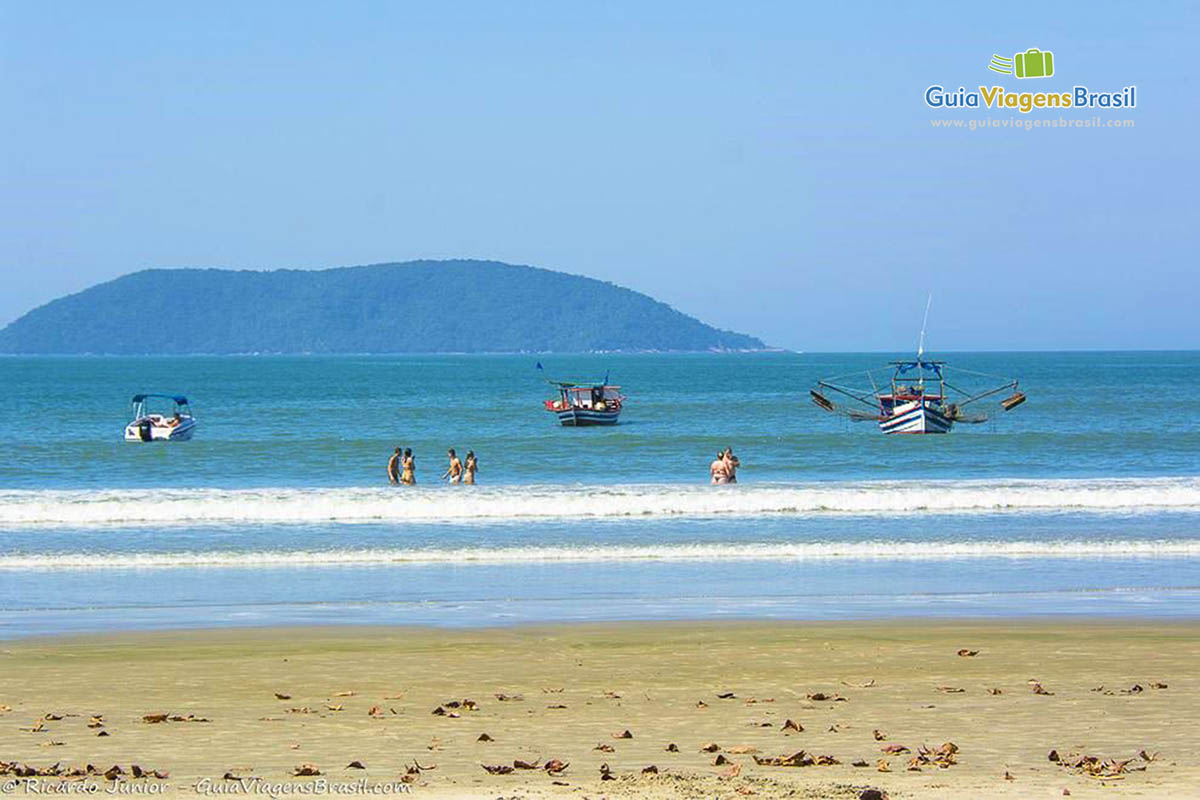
393	467
718	471
408	477
454	473
731	464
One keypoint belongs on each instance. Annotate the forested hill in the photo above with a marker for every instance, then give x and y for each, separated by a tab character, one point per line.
413	307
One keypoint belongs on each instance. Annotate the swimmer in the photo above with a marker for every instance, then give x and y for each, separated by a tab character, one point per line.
731	464
393	467
718	471
408	466
454	472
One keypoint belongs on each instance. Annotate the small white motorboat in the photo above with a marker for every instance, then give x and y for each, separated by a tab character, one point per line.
151	425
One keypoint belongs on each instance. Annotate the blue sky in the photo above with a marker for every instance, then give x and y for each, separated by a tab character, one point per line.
769	168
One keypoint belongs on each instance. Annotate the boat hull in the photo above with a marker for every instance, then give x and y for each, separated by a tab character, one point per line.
918	419
586	417
136	432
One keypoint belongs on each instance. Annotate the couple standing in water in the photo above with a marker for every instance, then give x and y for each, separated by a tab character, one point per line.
461	471
724	469
402	468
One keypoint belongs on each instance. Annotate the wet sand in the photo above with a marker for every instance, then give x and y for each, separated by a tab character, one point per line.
368	695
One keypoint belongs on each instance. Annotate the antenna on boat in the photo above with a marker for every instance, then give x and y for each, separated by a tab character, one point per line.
921	343
924	323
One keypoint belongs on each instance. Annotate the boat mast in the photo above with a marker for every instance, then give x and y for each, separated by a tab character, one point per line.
924	324
921	344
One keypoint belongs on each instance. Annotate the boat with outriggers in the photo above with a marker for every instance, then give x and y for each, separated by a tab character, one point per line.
581	404
918	398
151	423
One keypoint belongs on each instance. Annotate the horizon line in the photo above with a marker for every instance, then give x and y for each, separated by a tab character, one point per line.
531	353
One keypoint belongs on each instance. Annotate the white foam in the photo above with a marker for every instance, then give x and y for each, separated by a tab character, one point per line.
173	507
713	552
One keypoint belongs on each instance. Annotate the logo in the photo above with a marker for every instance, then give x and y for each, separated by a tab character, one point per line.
1033	63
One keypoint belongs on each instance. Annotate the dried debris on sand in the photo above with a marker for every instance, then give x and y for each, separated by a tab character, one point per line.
1097	767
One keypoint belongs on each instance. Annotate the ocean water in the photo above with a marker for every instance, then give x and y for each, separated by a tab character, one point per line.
1085	500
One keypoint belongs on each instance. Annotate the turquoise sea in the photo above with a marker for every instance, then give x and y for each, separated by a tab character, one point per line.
1085	500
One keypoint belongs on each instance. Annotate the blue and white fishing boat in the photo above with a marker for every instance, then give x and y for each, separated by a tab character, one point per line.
913	406
917	398
153	425
581	404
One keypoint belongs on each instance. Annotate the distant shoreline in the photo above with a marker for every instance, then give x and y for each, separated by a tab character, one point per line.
350	354
564	353
458	305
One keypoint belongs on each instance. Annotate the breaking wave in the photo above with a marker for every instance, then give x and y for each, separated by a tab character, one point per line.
174	507
750	551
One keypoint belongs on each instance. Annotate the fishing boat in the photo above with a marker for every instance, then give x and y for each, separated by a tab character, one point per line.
917	398
581	404
150	424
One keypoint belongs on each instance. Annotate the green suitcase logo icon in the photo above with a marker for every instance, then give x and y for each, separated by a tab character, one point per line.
1034	63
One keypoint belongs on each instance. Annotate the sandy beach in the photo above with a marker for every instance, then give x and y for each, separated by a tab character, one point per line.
988	701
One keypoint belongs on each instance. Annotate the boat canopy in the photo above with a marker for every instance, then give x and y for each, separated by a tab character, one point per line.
929	366
582	384
586	387
178	398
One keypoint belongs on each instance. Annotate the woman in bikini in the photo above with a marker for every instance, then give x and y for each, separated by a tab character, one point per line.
408	476
718	471
470	468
